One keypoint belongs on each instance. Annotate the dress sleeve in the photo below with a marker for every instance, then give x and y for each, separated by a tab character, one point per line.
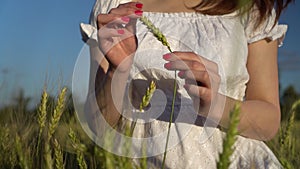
266	30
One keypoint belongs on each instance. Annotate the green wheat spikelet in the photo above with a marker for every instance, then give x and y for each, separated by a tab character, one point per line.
228	142
147	97
57	111
58	156
145	102
42	115
43	111
156	32
286	137
5	139
20	153
79	148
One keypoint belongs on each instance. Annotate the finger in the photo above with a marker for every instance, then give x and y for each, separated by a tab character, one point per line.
108	38
135	5
198	91
187	56
118	21
133	13
185	65
131	26
196	76
132	10
106	32
105	19
190	56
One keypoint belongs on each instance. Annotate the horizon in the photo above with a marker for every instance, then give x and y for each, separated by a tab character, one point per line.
39	47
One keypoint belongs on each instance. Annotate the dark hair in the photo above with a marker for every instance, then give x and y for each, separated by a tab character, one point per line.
221	7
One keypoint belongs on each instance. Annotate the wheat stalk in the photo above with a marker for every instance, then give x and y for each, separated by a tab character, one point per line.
162	38
231	134
143	161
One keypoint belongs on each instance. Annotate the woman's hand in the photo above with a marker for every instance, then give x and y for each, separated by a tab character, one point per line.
201	77
116	34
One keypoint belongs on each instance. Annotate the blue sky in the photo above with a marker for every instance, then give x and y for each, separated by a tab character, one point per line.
40	41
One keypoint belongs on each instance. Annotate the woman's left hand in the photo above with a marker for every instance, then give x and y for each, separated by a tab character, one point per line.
201	77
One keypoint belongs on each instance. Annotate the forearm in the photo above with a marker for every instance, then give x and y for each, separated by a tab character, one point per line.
110	96
259	119
101	84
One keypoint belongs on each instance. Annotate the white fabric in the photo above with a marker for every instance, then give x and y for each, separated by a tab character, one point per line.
222	39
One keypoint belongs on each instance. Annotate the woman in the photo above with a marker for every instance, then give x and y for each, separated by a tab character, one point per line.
225	53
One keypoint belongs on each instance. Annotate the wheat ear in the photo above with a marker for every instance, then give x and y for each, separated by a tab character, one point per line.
286	137
20	153
59	108
58	155
42	115
145	102
147	97
156	32
79	149
228	142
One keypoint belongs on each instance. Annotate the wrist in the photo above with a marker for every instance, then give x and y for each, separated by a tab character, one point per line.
118	73
110	71
219	109
229	104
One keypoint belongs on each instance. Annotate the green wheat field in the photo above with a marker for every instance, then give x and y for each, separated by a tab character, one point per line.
49	136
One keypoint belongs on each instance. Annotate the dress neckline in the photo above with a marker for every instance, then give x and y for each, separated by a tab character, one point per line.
186	14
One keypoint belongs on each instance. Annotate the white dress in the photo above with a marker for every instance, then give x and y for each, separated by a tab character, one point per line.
194	141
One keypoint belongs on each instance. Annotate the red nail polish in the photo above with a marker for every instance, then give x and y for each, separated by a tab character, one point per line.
121	31
138	12
167	56
181	73
139	5
125	19
168	65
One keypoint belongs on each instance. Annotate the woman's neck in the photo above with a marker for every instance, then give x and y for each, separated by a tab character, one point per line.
165	5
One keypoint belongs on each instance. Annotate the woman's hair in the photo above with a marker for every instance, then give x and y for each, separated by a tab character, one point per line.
221	7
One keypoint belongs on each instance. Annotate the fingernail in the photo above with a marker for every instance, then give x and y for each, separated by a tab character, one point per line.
168	65
139	5
138	12
121	31
167	56
125	19
181	73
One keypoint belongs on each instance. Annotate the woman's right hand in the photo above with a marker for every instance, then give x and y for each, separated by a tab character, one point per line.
116	34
